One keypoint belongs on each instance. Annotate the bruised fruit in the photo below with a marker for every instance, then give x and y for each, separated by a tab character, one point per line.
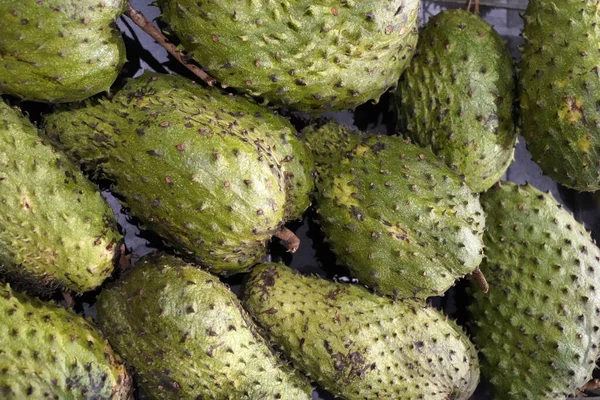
358	345
56	230
457	97
59	50
49	352
312	56
187	337
538	327
215	176
398	217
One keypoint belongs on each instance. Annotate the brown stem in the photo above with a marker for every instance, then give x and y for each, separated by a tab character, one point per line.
68	298
468	6
291	240
140	20
124	258
591	385
478	277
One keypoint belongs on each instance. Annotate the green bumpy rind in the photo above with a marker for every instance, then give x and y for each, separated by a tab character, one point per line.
457	97
327	142
59	50
560	80
538	327
312	56
358	345
399	218
187	337
56	230
213	175
49	352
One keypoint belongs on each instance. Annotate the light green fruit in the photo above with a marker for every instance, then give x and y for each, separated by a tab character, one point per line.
48	352
358	345
398	217
55	228
59	50
457	97
214	175
538	327
559	97
312	56
187	337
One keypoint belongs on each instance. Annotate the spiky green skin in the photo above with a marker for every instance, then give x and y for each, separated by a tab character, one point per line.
358	345
55	228
457	97
213	175
538	327
560	85
298	168
312	56
327	142
49	352
187	337
59	50
399	218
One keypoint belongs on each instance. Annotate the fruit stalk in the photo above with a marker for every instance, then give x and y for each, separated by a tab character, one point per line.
144	23
289	238
479	279
468	7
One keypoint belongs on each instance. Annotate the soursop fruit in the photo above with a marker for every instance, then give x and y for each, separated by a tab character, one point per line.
49	352
358	345
397	216
327	140
560	85
59	50
213	175
187	337
308	55
538	327
56	230
457	97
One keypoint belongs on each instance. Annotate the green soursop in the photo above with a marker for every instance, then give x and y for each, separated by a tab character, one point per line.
560	104
48	352
304	54
538	327
59	50
358	345
56	230
213	175
398	217
457	97
327	140
187	337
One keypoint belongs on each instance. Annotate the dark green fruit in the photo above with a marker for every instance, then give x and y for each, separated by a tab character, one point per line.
398	217
457	97
308	55
358	345
328	141
214	175
187	337
59	50
560	90
52	353
538	327
55	228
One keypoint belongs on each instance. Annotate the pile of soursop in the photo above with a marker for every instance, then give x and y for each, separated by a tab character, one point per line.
156	220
